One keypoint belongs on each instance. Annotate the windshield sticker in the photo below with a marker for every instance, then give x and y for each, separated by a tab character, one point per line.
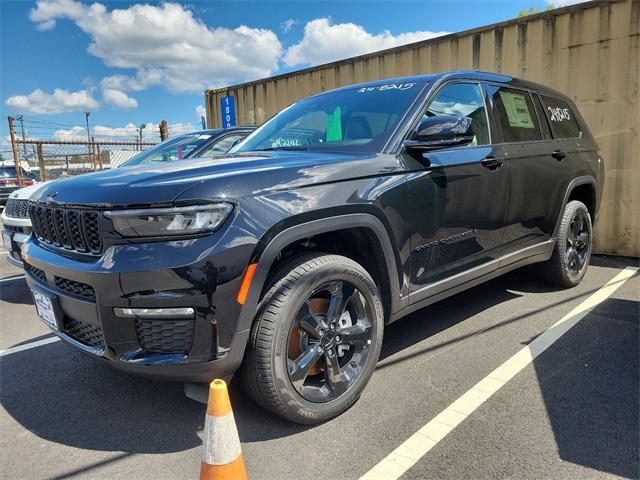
517	110
285	142
559	114
387	87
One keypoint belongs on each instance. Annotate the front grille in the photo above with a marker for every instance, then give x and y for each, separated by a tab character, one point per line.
165	336
76	288
36	272
69	228
16	208
13	228
84	332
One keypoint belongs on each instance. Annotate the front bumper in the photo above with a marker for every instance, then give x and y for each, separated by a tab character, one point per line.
18	236
202	273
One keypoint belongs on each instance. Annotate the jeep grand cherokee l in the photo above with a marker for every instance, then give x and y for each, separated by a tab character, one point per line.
344	212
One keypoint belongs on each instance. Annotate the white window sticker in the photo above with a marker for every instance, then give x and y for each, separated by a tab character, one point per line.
387	87
517	110
559	114
285	142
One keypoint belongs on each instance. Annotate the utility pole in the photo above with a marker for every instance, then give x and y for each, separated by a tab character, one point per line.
164	130
24	145
86	115
142	125
16	153
41	167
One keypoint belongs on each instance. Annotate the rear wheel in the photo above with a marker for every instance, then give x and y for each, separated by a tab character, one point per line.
572	251
316	339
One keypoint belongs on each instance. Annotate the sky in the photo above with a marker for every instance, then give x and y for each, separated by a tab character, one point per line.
129	63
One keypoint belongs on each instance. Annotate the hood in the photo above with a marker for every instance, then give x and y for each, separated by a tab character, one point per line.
228	177
26	192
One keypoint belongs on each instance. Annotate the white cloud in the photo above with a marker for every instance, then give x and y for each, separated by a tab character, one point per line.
142	80
150	133
118	98
60	101
287	25
325	42
166	45
201	111
563	3
46	25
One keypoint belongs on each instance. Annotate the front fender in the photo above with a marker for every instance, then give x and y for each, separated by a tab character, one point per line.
270	251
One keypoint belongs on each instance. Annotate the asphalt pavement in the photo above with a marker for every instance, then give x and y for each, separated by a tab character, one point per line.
572	413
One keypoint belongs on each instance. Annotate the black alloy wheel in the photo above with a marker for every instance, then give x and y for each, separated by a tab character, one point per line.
578	243
329	341
315	340
572	250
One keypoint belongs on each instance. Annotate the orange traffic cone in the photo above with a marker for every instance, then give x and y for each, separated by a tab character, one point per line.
222	455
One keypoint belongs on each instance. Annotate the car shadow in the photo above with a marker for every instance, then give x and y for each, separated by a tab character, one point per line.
431	320
62	396
16	292
589	381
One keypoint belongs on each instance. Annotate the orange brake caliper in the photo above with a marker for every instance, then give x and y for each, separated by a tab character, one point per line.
317	306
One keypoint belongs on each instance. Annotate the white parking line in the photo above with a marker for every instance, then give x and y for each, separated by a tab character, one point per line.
11	279
394	465
27	346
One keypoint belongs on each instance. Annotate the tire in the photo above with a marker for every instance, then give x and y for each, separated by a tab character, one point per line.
286	321
560	269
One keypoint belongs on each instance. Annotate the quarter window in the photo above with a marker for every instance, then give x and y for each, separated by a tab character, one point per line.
516	114
561	118
463	100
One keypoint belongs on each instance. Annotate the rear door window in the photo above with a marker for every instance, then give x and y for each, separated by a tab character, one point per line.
515	114
561	118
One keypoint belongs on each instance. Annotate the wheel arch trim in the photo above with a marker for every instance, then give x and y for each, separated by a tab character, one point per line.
308	229
576	182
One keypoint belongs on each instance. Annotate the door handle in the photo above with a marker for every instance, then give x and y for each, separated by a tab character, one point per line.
492	163
558	155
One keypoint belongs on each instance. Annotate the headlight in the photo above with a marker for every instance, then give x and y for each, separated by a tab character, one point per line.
160	222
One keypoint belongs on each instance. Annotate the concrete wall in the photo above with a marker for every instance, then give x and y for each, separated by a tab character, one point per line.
589	51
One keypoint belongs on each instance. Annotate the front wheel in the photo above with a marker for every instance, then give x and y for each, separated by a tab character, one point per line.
316	339
572	253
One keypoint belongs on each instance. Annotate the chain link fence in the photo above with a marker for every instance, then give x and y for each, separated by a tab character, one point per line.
48	159
53	159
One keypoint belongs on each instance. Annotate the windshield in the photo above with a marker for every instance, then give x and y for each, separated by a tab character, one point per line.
8	172
177	148
358	119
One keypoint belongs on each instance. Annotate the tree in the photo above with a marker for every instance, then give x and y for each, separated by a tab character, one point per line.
532	11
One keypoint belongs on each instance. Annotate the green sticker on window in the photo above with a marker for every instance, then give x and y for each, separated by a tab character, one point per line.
517	110
334	126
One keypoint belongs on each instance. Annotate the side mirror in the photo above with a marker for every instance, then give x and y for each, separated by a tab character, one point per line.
441	131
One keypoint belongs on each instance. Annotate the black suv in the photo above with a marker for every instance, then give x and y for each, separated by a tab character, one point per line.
344	212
